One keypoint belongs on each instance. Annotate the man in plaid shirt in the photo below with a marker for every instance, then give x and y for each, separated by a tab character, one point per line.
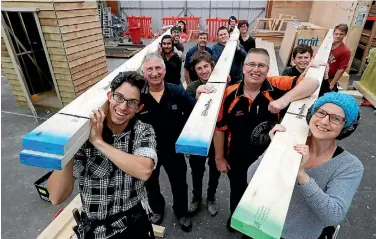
112	166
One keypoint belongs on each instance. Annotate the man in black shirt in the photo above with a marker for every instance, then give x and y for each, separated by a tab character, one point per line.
171	60
167	108
245	39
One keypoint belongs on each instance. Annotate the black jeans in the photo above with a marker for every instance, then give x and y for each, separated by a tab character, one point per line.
197	164
176	169
139	229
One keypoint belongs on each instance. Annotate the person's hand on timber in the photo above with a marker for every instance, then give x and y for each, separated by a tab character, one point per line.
303	177
222	165
203	89
277	105
275	129
96	121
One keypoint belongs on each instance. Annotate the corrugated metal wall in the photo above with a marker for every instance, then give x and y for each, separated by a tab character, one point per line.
249	10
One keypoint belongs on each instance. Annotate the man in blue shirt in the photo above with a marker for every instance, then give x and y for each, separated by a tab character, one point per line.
189	73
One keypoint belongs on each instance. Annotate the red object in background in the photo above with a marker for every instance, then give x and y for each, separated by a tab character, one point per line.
191	23
57	214
213	25
144	23
135	33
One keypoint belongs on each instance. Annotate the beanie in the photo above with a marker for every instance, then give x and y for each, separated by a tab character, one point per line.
345	101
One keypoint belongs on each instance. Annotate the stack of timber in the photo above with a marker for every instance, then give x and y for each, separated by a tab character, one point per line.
274	29
72	33
197	133
61	226
269	46
372	11
261	213
54	143
300	9
122	50
367	84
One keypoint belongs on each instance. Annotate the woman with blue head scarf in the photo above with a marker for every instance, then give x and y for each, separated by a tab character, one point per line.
328	176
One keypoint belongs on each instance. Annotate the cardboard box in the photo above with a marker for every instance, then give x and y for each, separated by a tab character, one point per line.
297	33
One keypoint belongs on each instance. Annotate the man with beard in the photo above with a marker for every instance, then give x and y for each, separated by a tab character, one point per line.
245	39
111	167
176	32
189	73
237	63
249	110
167	108
231	24
171	60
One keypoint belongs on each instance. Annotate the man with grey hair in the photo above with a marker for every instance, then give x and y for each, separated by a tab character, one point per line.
249	110
167	108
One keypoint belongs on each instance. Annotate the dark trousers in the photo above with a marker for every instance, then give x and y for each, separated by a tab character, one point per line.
139	229
197	164
325	88
176	169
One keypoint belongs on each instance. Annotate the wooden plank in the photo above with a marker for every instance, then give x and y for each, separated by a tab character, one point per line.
55	44
58	58
196	136
77	13
6	59
90	75
82	40
273	69
77	20
48	22
365	92
80	89
30	4
64	83
88	64
52	37
61	70
66	89
84	53
7	65
16	87
80	27
56	51
9	70
63	77
51	138
74	5
14	82
4	52
84	46
287	44
50	29
84	33
344	81
47	14
67	94
270	190
59	64
12	76
85	72
86	59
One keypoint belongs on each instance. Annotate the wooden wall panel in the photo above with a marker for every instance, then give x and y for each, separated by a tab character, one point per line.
300	9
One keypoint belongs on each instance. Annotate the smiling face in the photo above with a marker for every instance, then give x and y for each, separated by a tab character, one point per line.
122	111
223	36
256	68
154	72
322	127
176	35
167	45
243	29
302	60
232	23
338	36
202	40
203	70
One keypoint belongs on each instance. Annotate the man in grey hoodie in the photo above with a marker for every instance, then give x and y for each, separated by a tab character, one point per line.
236	71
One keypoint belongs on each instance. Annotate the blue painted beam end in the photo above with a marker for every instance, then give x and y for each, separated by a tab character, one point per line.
40	160
44	142
192	147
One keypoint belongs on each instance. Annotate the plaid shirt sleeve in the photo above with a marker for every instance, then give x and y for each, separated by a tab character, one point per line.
145	144
79	161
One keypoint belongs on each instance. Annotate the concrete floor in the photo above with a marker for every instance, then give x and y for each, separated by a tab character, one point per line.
25	215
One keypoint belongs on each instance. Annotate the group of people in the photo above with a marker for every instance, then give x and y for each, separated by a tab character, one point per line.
118	168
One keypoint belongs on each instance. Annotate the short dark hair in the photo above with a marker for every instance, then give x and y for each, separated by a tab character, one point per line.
203	33
342	27
201	56
222	28
242	22
260	51
231	18
302	48
131	77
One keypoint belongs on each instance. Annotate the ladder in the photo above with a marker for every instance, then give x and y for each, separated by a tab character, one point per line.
107	22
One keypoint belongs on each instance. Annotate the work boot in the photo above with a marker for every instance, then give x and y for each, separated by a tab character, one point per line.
185	224
229	228
194	206
156	219
212	207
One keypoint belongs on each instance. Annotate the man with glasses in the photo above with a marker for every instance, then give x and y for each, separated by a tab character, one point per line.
245	39
248	111
189	73
112	167
167	108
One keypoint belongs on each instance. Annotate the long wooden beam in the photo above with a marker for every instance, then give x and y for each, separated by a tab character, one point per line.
53	143
261	213
197	133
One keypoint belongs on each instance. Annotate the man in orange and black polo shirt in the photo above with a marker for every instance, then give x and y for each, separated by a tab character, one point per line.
248	111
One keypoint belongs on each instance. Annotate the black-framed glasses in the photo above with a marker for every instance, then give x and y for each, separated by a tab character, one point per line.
120	99
335	119
253	65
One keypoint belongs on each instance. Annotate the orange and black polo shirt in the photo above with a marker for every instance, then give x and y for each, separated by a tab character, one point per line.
247	122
